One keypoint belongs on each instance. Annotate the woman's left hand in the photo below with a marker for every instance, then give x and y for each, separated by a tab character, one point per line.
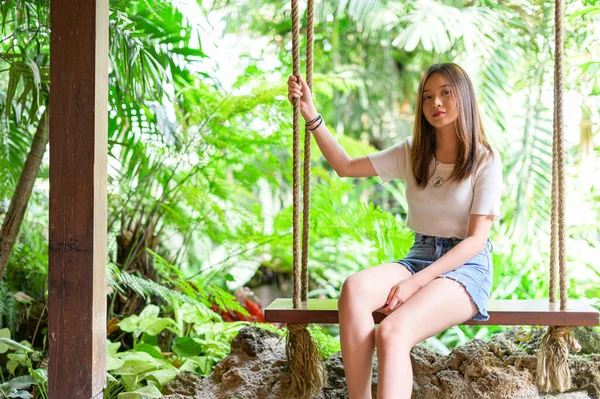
399	294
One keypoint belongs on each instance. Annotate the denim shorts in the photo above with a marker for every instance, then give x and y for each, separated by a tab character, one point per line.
476	275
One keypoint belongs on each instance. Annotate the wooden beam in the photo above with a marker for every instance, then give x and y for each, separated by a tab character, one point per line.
77	237
502	313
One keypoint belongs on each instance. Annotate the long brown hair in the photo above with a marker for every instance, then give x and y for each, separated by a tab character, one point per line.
468	126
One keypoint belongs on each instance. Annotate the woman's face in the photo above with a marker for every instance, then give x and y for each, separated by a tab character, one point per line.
439	106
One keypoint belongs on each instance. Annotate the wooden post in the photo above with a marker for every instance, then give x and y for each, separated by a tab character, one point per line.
77	245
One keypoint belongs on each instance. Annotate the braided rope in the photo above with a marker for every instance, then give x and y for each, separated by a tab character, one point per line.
558	229
554	218
307	138
562	227
307	370
296	151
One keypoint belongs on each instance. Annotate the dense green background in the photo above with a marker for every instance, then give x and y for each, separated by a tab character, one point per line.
200	157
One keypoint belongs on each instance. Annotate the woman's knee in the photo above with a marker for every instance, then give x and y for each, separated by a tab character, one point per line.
356	283
368	289
393	335
352	289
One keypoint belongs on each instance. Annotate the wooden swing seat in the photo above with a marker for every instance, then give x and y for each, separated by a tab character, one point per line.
536	312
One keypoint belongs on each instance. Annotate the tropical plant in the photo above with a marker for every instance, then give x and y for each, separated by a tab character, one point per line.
20	367
198	343
9	309
24	55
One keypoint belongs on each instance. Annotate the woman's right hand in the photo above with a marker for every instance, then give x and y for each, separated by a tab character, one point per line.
301	91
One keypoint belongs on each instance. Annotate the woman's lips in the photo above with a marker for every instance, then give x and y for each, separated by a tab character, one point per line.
438	114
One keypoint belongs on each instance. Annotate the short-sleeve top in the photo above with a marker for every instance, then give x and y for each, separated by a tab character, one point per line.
442	210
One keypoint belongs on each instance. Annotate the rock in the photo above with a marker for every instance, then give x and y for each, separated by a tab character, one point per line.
255	369
587	337
252	341
187	385
497	369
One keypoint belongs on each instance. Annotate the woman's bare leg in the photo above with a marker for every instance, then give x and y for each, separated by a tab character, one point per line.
362	293
437	306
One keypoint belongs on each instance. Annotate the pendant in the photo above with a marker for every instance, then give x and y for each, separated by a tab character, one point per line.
438	181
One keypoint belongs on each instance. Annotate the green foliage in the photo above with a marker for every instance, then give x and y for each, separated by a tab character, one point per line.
144	287
20	367
197	288
345	237
329	345
28	265
146	392
138	369
367	69
6	343
24	82
113	387
9	308
17	387
147	322
199	343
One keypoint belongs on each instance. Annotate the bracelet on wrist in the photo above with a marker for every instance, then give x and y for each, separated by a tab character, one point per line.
316	127
313	121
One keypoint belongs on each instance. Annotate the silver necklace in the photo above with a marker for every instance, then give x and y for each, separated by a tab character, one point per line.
437	181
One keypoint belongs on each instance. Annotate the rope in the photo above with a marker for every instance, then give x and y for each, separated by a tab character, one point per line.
308	374
558	228
559	89
296	151
554	217
552	371
310	13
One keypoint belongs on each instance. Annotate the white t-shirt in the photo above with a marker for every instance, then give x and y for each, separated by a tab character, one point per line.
442	210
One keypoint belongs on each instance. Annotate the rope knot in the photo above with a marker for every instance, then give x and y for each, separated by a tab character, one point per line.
566	333
296	327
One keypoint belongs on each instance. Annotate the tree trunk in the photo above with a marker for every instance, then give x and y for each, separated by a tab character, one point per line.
20	199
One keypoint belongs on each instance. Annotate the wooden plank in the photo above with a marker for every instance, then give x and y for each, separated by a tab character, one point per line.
77	234
502	312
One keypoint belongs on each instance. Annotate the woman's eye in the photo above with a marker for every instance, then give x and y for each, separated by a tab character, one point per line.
446	92
426	98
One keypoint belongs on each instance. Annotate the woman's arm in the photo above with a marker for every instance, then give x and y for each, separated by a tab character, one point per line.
334	153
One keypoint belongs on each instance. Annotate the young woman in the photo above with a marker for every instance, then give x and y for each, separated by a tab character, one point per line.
453	182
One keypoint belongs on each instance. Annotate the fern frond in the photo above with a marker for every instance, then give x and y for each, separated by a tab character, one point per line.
9	309
196	289
175	277
225	300
146	288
